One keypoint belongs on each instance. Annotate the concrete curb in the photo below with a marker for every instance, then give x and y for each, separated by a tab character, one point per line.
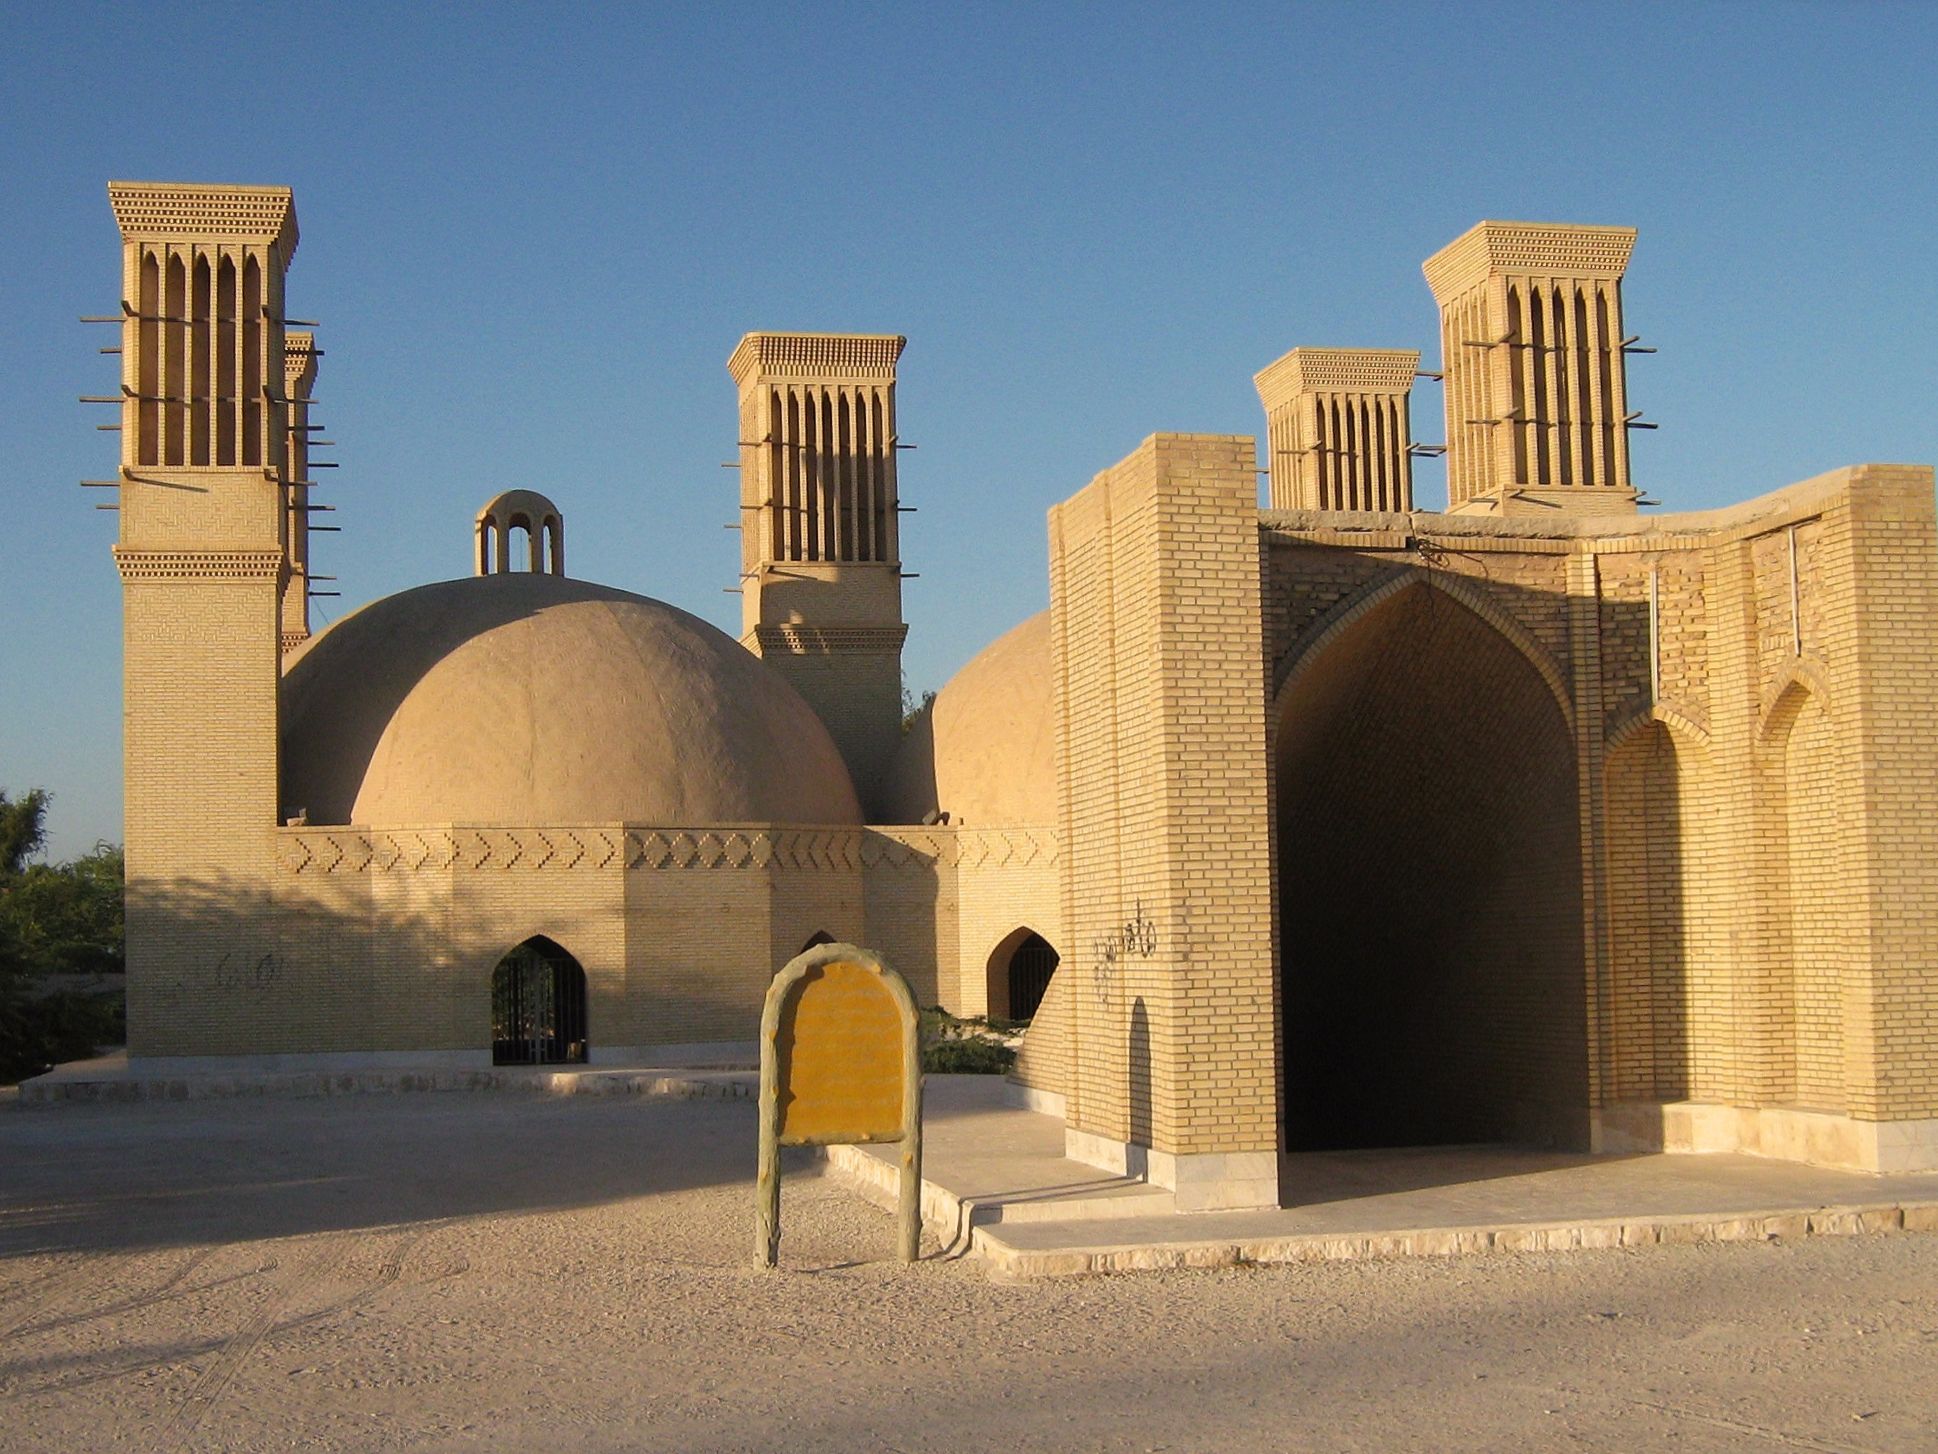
877	1182
51	1090
954	1221
1839	1221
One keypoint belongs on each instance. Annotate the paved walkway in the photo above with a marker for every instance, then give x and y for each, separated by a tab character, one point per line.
996	1182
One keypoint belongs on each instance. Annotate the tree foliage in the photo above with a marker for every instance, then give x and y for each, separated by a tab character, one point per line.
55	919
64	918
23	829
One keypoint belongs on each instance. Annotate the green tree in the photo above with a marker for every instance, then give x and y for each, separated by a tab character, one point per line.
54	919
66	918
23	830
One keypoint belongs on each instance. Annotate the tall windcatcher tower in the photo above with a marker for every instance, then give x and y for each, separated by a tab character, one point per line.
1531	334
204	557
820	555
1337	426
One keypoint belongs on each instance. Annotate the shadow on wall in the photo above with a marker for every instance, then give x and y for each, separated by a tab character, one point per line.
217	967
317	967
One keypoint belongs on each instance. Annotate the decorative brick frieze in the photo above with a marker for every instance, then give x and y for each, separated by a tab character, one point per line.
351	849
147	211
197	565
796	639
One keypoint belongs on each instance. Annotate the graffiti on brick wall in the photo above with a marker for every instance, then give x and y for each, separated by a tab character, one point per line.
1137	935
233	974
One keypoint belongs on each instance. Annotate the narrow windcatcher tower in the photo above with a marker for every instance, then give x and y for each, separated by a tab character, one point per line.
1337	428
820	554
1531	335
204	556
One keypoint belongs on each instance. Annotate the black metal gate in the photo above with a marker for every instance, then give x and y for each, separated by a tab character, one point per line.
538	1007
1030	968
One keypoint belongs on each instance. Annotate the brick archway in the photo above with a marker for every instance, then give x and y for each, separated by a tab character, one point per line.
1429	874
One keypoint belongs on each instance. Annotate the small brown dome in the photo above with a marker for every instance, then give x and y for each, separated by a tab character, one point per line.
985	751
530	699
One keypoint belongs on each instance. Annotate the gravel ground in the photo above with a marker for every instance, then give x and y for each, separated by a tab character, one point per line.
451	1272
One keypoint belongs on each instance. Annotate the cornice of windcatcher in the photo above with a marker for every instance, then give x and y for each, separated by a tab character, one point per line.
1528	249
199	212
1341	370
300	354
858	356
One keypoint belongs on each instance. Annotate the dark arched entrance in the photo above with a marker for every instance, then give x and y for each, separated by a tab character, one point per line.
538	1007
1019	974
1429	887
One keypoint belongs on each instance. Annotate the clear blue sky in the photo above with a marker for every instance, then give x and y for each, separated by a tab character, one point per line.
533	234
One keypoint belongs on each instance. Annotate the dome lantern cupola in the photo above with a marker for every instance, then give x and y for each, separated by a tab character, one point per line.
531	512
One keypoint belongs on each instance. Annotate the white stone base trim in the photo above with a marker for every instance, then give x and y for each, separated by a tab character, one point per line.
1029	1098
1103	1152
1816	1138
696	1055
1210	1181
347	1062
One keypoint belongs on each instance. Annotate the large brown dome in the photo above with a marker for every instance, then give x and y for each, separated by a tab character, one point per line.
531	699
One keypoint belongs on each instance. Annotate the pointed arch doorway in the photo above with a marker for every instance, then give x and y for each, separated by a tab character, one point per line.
1429	873
538	1006
1019	974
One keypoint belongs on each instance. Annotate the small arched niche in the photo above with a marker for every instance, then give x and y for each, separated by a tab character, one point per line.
538	1006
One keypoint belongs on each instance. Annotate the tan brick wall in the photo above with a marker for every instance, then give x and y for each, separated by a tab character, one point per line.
996	901
1162	785
1892	1018
678	931
200	666
1820	948
940	900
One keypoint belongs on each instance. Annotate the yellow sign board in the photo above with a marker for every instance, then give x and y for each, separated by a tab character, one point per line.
840	1062
840	1058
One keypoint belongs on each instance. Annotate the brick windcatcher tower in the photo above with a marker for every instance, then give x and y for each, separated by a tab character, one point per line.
1337	428
204	558
820	553
1531	335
